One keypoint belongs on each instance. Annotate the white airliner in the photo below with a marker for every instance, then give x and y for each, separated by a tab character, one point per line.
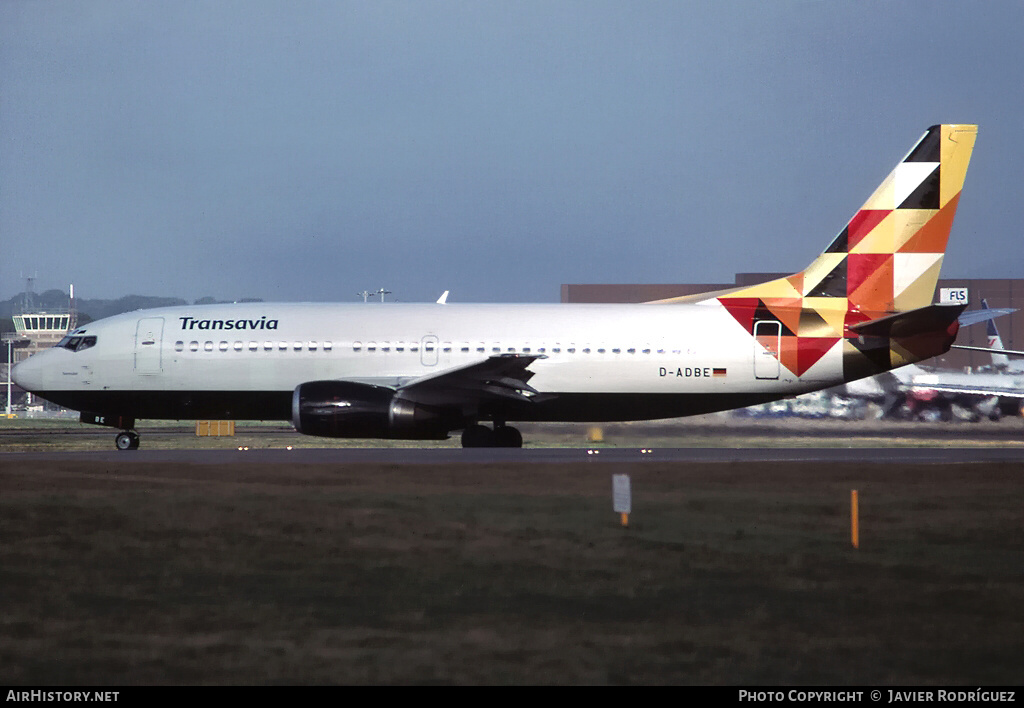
422	371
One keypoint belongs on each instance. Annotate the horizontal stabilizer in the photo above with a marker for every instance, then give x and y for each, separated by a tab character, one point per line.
976	316
932	318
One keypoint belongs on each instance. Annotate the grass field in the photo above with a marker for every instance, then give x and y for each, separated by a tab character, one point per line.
727	574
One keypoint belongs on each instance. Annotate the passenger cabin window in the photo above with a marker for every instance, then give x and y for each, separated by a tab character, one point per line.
328	346
179	346
223	346
193	346
208	346
238	346
356	346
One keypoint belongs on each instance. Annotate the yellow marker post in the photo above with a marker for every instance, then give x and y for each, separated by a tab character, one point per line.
625	519
854	519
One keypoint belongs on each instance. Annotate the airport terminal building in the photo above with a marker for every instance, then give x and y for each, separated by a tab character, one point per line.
997	292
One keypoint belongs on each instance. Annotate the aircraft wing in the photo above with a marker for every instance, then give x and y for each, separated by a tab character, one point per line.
989	350
502	377
968	389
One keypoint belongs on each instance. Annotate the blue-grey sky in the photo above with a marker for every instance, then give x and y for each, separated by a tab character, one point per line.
298	150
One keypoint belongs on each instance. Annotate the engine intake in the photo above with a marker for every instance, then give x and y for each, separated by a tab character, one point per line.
345	409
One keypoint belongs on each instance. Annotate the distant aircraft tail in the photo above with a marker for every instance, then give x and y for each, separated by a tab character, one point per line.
885	261
1000	361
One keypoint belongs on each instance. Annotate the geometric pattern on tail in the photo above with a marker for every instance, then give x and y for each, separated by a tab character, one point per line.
885	260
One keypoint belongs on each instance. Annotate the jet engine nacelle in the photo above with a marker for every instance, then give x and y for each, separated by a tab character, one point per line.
345	409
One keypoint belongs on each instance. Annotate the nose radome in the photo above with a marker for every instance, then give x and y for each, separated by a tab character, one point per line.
29	373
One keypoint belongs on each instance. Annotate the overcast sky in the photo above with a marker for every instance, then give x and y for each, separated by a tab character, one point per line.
301	150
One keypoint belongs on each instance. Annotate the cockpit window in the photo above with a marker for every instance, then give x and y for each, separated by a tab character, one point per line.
77	343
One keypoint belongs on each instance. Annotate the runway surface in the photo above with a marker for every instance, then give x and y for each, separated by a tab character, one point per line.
416	456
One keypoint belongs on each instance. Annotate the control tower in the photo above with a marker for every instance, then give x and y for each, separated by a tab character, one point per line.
34	330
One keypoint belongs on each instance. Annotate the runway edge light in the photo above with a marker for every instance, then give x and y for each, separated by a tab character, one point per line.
622	497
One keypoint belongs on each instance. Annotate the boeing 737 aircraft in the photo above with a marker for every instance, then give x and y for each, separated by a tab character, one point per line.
862	307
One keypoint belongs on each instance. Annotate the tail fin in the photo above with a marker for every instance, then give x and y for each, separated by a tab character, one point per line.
885	262
888	257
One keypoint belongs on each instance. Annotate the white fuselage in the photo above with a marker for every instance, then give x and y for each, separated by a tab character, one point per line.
637	351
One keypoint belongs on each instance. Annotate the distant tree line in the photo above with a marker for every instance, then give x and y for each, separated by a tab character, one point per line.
96	309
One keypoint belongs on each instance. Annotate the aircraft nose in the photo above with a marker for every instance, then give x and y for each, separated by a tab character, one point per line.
29	373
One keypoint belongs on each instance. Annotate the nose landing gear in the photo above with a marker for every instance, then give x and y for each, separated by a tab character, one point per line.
127	440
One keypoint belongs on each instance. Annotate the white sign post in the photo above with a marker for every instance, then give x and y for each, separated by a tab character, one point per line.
622	497
956	296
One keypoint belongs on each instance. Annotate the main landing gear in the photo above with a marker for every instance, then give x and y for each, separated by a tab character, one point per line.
127	440
477	435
